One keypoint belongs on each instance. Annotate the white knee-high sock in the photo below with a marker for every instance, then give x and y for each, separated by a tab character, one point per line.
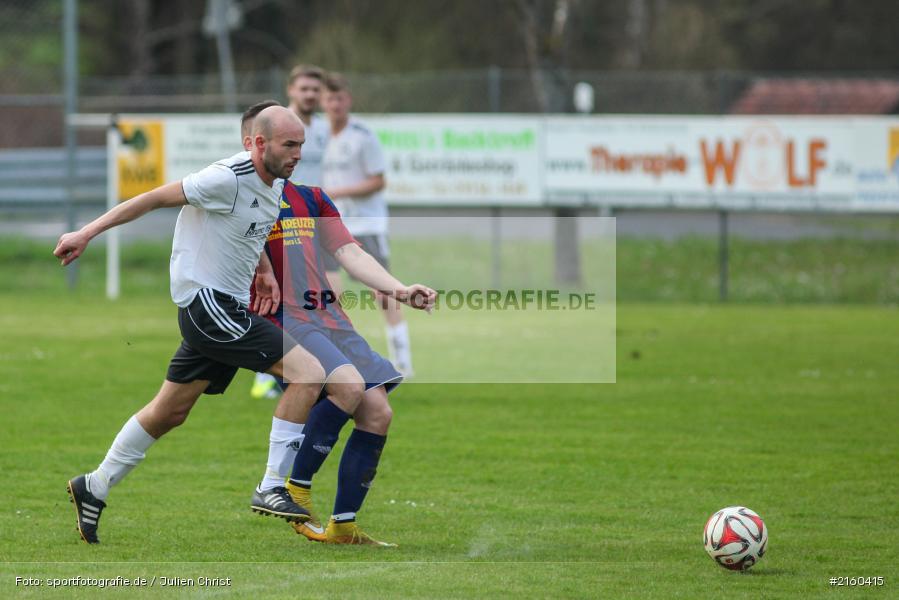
399	350
127	450
284	443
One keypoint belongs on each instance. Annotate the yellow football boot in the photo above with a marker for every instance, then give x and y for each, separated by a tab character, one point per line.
264	386
311	529
348	532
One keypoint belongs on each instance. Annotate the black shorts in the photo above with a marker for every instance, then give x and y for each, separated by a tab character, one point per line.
376	245
221	335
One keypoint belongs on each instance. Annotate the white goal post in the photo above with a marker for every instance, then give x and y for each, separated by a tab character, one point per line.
109	122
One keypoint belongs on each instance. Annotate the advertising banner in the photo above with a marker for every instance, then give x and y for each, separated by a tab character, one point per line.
140	157
192	144
153	151
734	163
458	159
715	161
876	164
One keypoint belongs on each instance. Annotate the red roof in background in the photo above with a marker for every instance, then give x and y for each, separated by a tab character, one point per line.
819	97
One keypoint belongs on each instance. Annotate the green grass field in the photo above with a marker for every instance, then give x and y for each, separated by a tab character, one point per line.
826	271
537	491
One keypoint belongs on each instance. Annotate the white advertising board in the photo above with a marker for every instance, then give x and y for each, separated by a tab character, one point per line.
736	163
716	161
192	144
876	164
461	159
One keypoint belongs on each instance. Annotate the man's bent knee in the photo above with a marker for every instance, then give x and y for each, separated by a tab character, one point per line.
346	395
374	414
299	366
384	416
173	419
345	388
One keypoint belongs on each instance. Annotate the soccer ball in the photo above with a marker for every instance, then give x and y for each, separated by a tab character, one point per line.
735	537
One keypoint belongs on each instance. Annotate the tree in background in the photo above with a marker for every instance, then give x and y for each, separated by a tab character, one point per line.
150	37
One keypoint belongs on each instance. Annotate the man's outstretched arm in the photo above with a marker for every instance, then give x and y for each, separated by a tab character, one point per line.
362	266
72	245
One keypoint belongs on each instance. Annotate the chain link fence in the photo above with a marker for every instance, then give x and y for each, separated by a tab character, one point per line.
475	91
31	103
31	92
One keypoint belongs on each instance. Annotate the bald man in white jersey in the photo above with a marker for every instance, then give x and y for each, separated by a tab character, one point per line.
227	211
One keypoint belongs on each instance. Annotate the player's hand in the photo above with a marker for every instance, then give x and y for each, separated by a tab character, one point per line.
418	296
70	246
268	294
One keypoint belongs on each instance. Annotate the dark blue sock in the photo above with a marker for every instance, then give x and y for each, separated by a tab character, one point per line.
322	430
358	466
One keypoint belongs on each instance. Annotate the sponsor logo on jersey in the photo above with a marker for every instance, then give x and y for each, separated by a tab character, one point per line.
255	203
261	231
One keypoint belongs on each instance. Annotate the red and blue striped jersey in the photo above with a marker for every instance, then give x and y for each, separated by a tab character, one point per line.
308	225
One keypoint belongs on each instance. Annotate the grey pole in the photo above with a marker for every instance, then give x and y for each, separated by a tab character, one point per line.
494	88
277	78
226	63
723	255
494	82
568	252
496	247
723	241
567	236
70	79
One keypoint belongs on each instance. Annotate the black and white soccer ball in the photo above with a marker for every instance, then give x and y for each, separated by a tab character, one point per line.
735	537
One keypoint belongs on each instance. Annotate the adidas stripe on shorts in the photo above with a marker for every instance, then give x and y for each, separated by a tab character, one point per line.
221	335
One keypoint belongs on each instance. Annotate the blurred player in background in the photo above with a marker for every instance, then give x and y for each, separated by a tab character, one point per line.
304	90
353	175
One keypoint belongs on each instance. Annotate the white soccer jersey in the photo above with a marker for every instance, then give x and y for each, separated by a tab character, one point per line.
221	232
351	156
309	170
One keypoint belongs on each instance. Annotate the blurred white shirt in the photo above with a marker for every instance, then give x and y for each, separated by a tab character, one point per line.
352	156
309	170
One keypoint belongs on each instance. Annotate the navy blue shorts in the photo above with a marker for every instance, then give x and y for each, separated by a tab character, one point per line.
337	347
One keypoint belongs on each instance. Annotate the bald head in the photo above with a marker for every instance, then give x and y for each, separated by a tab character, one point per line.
277	138
277	121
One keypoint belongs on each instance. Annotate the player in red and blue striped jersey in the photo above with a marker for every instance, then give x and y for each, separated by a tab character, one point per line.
291	289
358	379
